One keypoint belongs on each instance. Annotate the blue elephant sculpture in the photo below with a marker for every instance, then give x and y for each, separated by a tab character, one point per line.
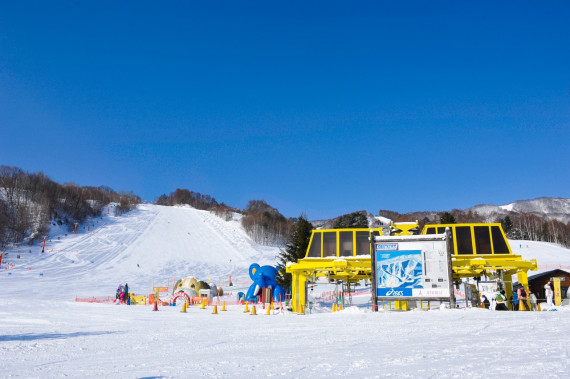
264	277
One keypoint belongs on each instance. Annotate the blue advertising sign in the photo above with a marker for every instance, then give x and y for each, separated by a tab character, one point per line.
414	269
398	272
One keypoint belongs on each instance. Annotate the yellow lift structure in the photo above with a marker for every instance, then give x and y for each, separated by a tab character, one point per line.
344	254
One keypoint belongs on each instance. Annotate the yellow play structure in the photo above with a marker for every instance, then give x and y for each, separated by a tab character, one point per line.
345	254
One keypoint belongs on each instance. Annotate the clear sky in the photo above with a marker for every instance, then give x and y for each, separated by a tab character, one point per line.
322	107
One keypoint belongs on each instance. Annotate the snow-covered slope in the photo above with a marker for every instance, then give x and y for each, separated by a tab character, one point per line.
162	243
548	255
151	243
44	333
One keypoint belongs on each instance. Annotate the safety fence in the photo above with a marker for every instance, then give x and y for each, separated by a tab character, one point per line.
330	296
553	267
163	302
103	300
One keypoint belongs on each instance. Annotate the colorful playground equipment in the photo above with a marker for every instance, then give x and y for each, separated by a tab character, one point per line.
479	249
192	290
264	277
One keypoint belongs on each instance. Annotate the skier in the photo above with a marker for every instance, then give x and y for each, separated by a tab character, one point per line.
548	293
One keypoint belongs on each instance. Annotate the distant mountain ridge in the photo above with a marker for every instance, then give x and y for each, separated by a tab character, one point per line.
541	219
551	208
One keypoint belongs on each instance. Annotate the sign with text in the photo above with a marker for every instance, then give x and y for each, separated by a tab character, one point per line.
412	269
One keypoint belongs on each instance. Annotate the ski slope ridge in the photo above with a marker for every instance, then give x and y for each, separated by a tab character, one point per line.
150	243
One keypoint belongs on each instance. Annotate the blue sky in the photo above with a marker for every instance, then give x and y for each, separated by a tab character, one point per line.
322	107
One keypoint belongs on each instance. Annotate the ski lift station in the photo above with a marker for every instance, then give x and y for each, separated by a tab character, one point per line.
477	250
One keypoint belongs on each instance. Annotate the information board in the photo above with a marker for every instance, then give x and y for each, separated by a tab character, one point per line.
407	269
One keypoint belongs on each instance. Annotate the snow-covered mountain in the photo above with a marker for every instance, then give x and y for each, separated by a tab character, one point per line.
552	208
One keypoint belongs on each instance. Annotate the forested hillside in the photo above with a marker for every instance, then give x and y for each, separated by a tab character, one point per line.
30	202
518	223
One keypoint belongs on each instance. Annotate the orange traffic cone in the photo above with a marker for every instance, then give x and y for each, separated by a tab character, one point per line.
268	312
215	311
272	306
183	308
203	306
246	309
253	311
334	307
224	306
340	307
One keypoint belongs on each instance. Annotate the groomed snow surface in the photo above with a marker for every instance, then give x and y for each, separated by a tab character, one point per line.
45	333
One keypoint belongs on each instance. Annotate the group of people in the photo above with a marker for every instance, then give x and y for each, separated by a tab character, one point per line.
520	296
122	296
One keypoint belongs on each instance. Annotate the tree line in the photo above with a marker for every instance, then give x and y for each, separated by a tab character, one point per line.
517	225
184	196
29	202
265	224
198	201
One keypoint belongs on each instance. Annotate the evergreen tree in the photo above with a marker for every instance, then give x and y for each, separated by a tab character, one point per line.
295	249
352	220
507	224
447	218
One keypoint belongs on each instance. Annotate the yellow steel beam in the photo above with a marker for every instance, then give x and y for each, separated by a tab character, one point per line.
353	269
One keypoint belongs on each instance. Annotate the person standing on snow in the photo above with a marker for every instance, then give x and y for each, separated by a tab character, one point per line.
499	299
548	294
533	301
127	300
521	294
485	301
515	301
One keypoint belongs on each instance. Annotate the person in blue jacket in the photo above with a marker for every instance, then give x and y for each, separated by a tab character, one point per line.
127	299
515	301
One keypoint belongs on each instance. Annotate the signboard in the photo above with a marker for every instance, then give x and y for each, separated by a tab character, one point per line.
557	293
412	268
